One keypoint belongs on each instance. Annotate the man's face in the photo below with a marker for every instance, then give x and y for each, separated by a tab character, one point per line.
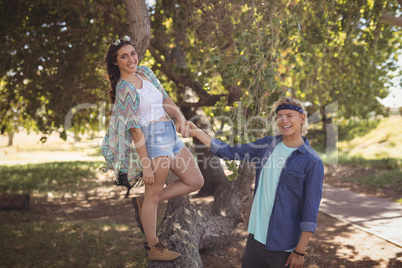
290	122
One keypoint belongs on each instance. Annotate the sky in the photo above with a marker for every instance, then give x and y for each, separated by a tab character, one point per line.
394	99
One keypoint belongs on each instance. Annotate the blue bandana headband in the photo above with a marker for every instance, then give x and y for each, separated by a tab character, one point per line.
289	107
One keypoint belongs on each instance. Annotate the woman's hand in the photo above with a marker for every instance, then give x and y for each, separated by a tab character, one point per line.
181	127
148	175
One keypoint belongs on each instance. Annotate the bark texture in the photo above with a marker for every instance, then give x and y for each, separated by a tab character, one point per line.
140	25
391	20
187	229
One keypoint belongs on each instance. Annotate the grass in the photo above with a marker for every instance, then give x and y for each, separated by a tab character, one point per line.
381	179
381	149
54	177
70	244
384	141
380	163
28	242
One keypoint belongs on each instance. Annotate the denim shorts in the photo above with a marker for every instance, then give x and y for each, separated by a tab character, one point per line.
161	139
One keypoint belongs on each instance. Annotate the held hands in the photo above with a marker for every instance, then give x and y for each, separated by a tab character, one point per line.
191	130
187	129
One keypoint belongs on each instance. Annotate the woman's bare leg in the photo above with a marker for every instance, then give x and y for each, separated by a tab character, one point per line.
152	196
185	167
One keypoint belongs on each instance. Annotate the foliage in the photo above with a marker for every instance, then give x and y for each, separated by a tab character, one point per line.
321	52
342	53
51	51
225	51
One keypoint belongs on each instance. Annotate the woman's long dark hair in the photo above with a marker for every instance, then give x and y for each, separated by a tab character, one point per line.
113	72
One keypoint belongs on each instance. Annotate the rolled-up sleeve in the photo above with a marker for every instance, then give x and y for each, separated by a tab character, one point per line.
313	194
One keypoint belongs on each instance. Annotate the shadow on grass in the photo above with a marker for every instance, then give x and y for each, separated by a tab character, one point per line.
55	177
70	244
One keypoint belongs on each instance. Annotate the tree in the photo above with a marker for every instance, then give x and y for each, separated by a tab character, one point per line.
51	52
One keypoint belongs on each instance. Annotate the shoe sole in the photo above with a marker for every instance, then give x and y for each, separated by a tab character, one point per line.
137	214
164	261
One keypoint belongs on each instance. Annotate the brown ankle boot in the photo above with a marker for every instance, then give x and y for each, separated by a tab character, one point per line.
158	252
137	203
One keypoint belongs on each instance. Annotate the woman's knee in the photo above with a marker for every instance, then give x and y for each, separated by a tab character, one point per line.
198	183
153	196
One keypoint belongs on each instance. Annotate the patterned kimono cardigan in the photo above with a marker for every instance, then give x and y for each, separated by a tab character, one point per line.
117	146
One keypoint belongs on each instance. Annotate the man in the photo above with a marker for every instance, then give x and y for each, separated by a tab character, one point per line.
288	187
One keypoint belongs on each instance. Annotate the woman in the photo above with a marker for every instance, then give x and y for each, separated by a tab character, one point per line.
140	114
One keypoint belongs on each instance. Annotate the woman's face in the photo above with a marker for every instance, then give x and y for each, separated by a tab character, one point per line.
127	60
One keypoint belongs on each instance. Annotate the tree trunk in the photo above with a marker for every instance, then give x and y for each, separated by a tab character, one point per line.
10	139
184	227
140	25
229	196
14	201
211	169
187	229
329	130
208	163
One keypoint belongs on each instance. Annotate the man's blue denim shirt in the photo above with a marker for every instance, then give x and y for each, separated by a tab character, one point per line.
299	190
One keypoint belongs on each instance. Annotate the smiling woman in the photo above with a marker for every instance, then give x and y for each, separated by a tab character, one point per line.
140	116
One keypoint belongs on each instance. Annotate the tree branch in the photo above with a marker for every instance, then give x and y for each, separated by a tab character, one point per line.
391	20
209	101
199	89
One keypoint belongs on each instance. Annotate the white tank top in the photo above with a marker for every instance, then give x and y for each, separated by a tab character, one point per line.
151	103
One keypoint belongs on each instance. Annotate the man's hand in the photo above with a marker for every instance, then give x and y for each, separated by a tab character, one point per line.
191	129
295	261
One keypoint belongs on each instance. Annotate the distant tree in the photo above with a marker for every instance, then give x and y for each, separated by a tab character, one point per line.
51	53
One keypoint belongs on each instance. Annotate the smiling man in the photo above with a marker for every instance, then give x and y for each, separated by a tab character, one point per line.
288	187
